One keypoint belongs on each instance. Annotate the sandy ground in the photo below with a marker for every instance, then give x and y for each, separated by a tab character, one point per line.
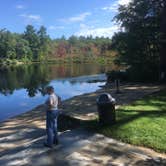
84	106
22	137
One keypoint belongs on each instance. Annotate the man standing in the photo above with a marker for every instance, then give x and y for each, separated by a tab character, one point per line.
52	113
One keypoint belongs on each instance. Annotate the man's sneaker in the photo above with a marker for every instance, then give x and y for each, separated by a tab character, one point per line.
47	145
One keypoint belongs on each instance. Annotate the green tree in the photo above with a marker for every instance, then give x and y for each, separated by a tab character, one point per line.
8	44
139	43
31	36
44	42
73	40
23	50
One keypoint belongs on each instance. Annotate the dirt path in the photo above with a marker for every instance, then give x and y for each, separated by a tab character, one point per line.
22	137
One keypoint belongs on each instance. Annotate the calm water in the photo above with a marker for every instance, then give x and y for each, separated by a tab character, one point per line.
21	88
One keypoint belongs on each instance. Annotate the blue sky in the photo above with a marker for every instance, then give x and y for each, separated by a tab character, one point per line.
61	17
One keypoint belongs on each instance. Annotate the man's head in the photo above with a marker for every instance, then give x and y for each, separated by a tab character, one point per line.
49	90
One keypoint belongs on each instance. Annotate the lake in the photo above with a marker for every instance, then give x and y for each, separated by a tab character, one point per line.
21	87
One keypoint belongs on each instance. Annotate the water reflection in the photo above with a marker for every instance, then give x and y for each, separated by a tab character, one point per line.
34	78
21	88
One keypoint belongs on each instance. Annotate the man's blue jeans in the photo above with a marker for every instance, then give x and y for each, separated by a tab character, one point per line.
51	126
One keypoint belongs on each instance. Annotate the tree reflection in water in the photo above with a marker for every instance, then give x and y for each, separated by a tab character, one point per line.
34	78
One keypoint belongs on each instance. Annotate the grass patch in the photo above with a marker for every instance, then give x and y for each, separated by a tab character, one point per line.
141	123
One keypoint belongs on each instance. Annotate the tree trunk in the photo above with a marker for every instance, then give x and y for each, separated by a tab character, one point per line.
163	47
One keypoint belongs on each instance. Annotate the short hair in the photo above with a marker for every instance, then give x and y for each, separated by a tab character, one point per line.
50	88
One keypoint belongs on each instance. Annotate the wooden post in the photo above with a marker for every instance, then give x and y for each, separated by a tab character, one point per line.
117	85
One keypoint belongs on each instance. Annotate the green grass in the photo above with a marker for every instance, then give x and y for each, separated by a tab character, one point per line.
141	123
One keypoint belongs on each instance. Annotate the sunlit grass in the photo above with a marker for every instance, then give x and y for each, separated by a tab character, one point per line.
141	123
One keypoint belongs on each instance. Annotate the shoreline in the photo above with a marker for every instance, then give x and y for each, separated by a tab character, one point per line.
15	62
101	79
149	89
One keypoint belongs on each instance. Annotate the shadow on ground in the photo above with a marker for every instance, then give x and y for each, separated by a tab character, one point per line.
22	144
22	137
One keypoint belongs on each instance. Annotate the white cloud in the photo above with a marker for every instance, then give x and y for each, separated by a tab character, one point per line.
78	18
30	18
124	2
20	7
114	7
55	27
102	31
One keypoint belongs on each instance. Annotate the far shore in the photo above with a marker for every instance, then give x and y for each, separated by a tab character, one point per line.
15	62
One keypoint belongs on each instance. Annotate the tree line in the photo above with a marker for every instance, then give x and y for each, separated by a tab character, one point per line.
36	45
31	45
141	44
